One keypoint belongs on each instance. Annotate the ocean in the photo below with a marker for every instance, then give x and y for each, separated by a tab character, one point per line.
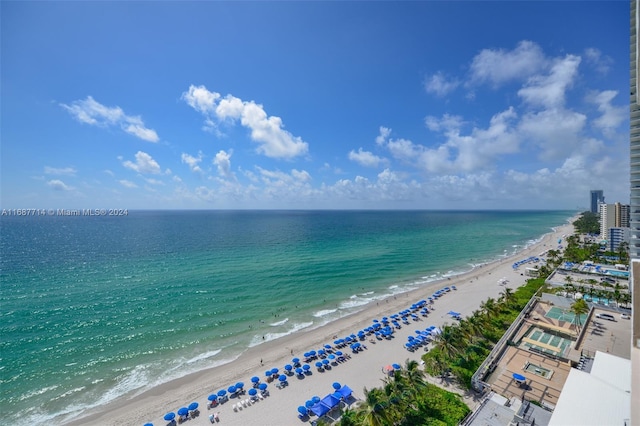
95	308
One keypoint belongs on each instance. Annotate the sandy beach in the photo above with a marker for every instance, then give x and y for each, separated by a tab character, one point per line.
362	370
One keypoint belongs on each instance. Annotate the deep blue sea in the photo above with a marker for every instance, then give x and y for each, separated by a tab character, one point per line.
95	308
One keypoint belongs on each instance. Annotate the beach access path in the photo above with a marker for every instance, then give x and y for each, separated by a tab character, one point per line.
362	370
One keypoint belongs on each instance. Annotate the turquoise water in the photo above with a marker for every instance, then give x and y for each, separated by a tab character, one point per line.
95	308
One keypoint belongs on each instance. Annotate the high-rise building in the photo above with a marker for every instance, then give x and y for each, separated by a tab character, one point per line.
634	245
622	215
597	198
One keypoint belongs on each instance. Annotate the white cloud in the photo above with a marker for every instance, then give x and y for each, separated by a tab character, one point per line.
66	171
556	132
383	136
268	131
91	112
59	185
144	164
222	161
548	91
192	162
612	116
127	183
439	85
366	158
152	181
501	66
600	62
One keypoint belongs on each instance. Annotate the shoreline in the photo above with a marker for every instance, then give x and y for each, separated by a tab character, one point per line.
474	286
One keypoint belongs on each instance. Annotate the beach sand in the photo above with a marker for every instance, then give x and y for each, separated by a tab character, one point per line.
362	370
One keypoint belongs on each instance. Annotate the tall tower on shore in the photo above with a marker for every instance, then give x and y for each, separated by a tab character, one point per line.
634	119
597	198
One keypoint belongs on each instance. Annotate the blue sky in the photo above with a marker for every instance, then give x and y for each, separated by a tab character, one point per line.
314	105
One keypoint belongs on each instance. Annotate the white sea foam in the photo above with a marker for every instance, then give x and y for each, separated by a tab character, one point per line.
205	355
37	392
275	324
256	340
324	312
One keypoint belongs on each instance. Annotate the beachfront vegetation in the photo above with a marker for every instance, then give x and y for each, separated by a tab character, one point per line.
406	399
461	348
587	223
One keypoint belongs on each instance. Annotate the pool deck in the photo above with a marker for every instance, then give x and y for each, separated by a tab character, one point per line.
544	391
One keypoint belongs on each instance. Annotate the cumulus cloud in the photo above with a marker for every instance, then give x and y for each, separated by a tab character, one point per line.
192	162
127	183
267	131
383	136
89	111
222	161
499	66
366	158
144	164
601	63
439	85
612	116
65	171
549	90
59	185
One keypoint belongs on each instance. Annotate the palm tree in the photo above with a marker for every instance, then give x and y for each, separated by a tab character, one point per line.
449	341
489	307
507	296
578	308
373	409
414	374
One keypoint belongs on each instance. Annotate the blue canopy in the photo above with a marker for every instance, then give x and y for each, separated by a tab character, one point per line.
315	399
183	411
239	385
318	364
148	424
282	378
299	370
345	391
170	416
252	392
396	366
255	379
193	406
330	401
231	389
306	367
212	397
288	367
274	371
302	410
295	360
453	313
222	392
262	386
519	377
320	409
308	404
336	385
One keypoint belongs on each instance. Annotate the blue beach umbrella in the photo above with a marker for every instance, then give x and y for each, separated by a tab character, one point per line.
255	379
332	356
274	371
336	385
315	399
268	373
308	404
295	361
288	367
282	378
396	366
193	406
183	411
302	410
326	346
306	367
212	397
222	392
252	392
325	361
231	389
262	386
170	416
318	364
339	353
148	424
298	370
239	385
